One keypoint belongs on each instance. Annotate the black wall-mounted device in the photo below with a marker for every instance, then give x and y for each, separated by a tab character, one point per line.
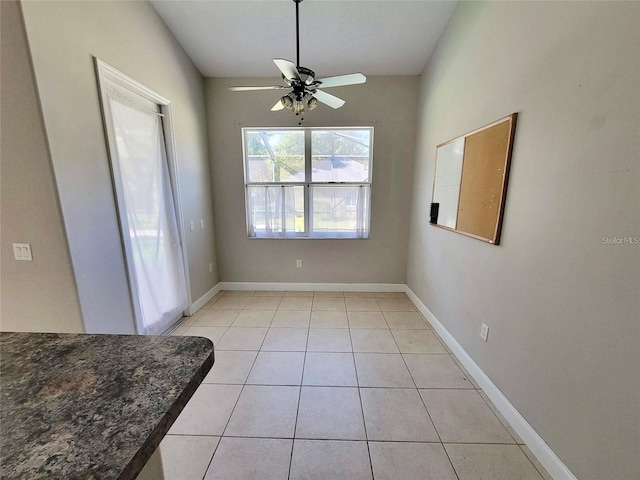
433	214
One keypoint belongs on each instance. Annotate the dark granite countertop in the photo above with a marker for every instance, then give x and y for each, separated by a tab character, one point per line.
91	406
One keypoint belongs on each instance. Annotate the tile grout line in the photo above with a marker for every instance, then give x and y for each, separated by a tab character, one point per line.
425	406
490	407
531	461
344	439
364	423
295	425
235	404
332	386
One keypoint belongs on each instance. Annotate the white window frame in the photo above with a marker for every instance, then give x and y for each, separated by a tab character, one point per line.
308	233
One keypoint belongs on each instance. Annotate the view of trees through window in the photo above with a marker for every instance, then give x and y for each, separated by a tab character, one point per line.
340	155
275	156
304	182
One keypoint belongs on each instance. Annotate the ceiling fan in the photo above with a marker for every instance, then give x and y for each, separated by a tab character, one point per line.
305	88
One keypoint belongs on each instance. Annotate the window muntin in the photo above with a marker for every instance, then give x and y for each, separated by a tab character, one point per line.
308	182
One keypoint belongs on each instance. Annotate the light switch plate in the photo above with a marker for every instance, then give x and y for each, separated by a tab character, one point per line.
484	332
22	251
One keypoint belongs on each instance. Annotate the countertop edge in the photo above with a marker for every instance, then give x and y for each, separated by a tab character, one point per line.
146	450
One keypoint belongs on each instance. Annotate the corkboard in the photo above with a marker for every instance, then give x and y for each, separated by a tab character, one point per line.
485	157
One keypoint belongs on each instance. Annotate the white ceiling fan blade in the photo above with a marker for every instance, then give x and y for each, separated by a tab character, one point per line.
342	80
288	68
328	99
246	89
277	106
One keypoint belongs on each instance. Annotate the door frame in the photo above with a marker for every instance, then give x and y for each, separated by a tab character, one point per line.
105	72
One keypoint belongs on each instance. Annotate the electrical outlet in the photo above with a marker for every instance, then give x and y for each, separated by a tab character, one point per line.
298	263
211	267
192	226
484	332
201	223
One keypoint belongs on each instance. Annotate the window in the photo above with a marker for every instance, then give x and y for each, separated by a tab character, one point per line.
308	182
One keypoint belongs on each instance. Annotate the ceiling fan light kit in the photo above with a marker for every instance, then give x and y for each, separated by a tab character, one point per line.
305	88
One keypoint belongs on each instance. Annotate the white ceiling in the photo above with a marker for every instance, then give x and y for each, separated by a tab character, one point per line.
239	38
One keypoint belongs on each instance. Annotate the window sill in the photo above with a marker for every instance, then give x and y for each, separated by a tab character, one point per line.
327	237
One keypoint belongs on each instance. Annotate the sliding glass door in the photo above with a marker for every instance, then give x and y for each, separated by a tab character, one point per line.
143	186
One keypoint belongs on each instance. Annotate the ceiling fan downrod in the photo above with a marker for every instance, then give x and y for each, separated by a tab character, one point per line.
307	75
296	100
297	33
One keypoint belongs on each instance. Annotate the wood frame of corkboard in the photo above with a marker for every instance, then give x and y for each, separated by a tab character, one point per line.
484	175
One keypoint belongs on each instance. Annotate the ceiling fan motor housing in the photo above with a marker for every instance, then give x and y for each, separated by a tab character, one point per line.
307	75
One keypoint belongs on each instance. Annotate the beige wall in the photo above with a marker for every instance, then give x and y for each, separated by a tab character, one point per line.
562	307
386	103
40	295
130	36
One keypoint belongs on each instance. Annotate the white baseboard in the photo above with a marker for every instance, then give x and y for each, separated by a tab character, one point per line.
199	303
319	287
536	444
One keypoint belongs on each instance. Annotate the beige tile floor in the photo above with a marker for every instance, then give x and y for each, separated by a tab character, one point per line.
333	385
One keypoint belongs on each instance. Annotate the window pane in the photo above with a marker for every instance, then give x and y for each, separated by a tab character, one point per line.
341	209
274	156
275	211
340	155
